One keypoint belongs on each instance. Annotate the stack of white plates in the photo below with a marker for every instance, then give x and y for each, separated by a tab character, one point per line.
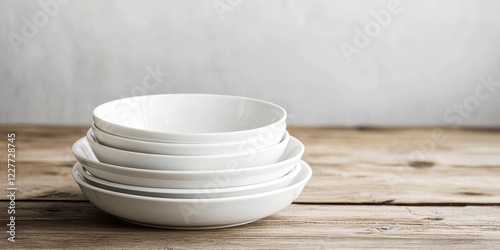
190	161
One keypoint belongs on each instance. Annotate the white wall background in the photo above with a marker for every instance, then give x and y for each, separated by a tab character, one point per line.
420	67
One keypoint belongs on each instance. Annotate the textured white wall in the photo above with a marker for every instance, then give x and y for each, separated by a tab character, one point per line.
421	67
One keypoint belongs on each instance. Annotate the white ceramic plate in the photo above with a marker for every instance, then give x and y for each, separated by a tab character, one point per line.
229	177
256	157
190	118
140	146
194	213
217	192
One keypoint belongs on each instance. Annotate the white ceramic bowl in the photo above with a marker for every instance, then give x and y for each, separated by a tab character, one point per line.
233	176
218	192
190	118
194	213
140	146
256	157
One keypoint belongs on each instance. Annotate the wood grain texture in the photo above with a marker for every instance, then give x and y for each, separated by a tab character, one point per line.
402	166
51	225
353	166
369	190
43	161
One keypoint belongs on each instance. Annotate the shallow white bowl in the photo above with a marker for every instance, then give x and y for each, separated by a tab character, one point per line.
149	147
256	157
232	176
194	213
218	192
190	118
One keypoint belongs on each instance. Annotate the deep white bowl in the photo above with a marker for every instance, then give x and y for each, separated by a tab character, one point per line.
194	213
256	157
217	192
140	146
190	118
232	176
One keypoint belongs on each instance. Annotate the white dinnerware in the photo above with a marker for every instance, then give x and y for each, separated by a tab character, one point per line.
217	191
252	158
194	213
232	176
190	118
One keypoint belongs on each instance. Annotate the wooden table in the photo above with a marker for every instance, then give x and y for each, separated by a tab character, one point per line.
387	188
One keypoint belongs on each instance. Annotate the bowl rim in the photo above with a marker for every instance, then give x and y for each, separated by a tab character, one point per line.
275	126
302	182
290	176
300	152
93	140
173	144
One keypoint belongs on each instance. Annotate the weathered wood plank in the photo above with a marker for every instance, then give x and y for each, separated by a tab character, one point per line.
382	184
42	143
356	166
350	165
402	166
51	225
401	147
475	147
330	184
